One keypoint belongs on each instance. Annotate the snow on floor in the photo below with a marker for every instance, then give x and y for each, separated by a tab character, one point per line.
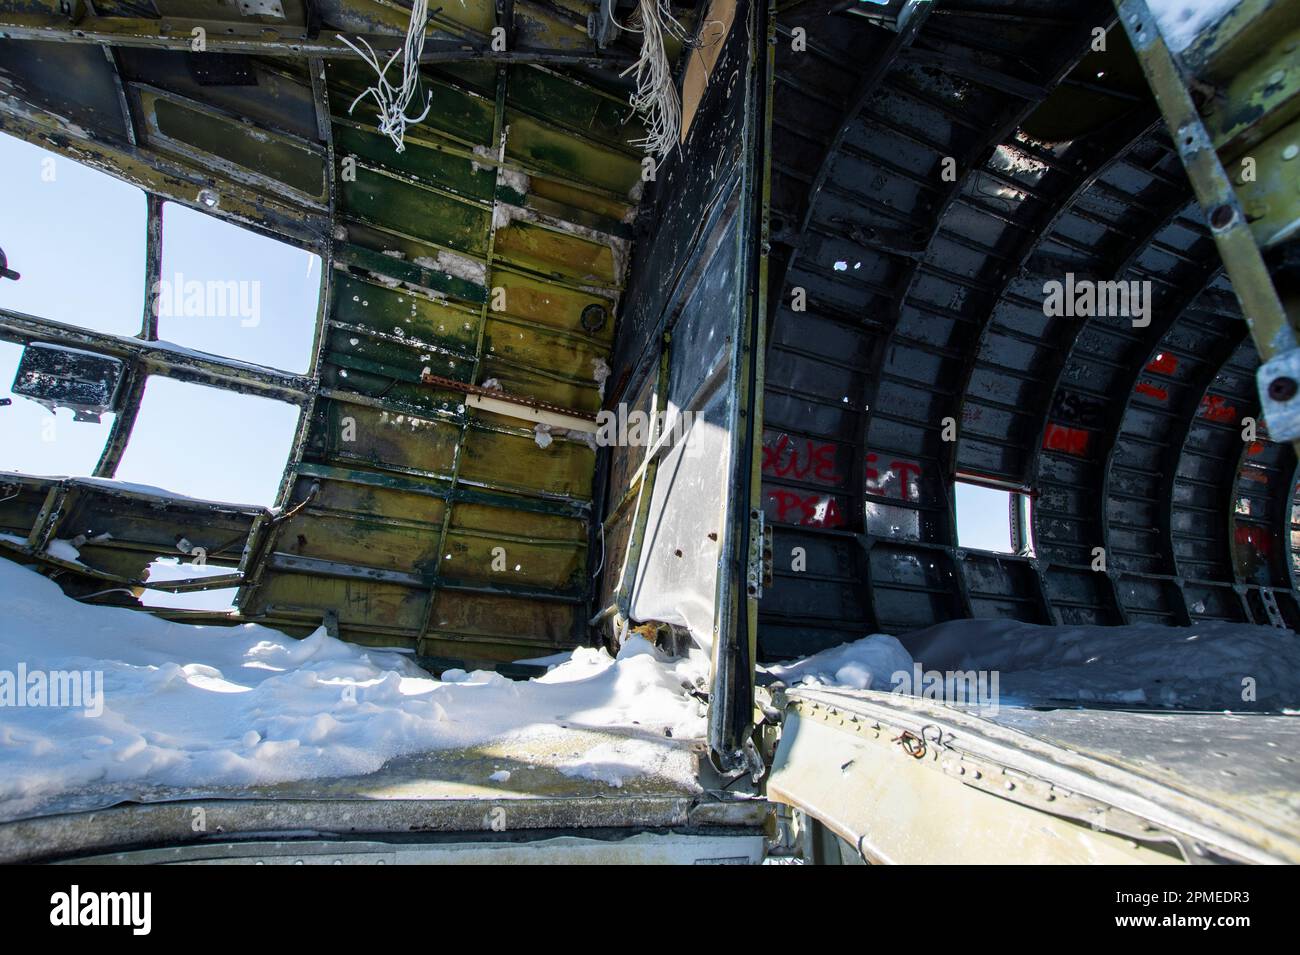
1181	20
1205	666
205	707
866	664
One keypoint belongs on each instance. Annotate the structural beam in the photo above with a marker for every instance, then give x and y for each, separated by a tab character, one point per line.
171	33
162	358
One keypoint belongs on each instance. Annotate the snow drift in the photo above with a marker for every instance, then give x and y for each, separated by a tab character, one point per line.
193	707
1214	665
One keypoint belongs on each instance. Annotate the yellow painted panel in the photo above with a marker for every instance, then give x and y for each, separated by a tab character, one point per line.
559	152
504	520
390	439
362	603
356	541
536	348
567	195
556	253
549	304
379	501
510	460
469	557
543	622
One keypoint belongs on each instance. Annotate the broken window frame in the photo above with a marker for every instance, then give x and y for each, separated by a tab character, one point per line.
159	321
1019	512
144	355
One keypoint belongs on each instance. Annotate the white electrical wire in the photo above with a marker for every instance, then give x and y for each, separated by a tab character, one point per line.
656	94
394	101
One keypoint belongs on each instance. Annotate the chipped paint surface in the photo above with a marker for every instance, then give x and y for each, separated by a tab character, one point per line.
517	181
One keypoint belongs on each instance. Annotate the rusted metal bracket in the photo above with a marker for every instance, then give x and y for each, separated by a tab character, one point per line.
519	406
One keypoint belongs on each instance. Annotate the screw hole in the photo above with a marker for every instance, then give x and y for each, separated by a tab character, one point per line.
1222	216
1282	389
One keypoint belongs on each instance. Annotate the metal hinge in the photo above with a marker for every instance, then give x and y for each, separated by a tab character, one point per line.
758	568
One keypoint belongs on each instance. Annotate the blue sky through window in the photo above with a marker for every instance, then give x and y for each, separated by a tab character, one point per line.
209	443
268	314
983	518
77	237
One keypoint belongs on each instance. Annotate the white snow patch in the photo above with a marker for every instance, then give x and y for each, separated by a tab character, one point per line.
145	490
456	265
550	661
1181	20
189	707
600	372
387	281
865	664
1205	666
585	437
502	214
63	550
516	180
171	568
483	152
612	764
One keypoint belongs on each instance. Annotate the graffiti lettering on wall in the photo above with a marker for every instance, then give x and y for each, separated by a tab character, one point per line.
1059	437
807	510
803	459
1163	364
1078	410
1216	408
1151	391
900	479
1073	413
807	460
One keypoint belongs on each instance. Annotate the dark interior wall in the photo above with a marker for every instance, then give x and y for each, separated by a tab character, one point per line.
679	530
925	189
685	300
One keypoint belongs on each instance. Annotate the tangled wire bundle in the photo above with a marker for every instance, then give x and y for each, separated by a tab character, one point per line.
656	95
394	101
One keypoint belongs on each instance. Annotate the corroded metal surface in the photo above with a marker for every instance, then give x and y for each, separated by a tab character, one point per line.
472	255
